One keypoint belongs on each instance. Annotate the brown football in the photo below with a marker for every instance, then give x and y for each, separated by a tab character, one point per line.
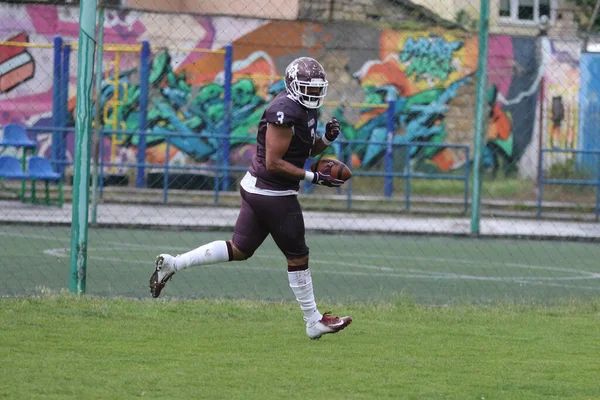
335	168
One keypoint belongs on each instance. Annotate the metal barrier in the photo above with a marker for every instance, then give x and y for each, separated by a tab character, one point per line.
576	182
222	171
388	174
60	95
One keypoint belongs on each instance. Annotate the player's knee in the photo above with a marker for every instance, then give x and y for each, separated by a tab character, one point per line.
297	263
297	255
240	255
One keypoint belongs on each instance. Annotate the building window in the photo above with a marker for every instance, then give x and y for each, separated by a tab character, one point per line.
505	8
51	2
526	11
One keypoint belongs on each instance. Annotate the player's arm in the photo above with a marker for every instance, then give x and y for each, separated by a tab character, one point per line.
319	147
277	141
332	131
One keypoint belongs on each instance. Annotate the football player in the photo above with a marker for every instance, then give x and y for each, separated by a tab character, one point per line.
286	138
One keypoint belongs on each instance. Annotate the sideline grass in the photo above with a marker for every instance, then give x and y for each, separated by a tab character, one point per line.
63	347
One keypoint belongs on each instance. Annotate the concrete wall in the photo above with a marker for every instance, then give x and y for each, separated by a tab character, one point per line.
273	9
430	70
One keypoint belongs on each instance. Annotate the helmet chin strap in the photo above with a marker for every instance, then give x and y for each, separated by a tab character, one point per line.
316	103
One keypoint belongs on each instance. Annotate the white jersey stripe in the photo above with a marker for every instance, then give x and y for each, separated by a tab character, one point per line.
248	183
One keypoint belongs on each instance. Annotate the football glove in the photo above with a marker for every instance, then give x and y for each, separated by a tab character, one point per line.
332	130
324	179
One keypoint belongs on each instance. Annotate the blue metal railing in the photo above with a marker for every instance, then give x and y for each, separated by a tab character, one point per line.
407	174
578	182
222	169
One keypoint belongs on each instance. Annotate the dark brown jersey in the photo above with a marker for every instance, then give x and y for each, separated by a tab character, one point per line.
284	111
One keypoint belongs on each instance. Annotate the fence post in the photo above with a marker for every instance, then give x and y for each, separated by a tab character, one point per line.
98	138
480	116
166	173
64	108
598	187
389	148
540	182
83	126
467	173
227	114
101	165
143	118
407	172
56	103
349	183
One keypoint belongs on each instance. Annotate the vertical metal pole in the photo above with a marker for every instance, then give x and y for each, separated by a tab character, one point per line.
227	116
56	103
143	119
541	126
349	183
540	177
101	164
97	141
217	180
388	185
480	114
166	173
407	172
597	186
64	108
83	127
467	179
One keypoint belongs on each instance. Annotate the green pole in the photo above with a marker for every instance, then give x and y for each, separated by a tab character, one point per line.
98	117
83	127
480	115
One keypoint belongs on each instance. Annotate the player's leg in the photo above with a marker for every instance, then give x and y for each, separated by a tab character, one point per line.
288	232
247	237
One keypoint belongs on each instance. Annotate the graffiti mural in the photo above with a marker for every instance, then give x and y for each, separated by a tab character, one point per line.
429	76
515	73
429	57
423	72
562	95
16	64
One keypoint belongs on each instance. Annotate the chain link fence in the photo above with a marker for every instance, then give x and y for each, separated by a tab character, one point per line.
182	89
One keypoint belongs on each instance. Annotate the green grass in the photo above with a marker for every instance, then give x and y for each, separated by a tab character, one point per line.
499	188
492	189
522	189
62	347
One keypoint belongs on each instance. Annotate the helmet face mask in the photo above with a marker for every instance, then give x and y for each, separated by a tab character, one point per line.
306	82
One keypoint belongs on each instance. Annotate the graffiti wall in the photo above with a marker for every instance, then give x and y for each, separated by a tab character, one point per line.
429	75
561	84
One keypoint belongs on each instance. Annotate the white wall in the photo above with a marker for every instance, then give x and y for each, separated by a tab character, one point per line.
272	9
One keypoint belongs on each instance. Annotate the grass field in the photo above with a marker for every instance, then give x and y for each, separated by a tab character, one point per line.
435	270
434	318
62	347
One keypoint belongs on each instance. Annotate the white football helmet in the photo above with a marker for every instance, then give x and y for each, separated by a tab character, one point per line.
306	82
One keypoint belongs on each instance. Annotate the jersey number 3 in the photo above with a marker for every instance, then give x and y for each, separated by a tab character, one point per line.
280	116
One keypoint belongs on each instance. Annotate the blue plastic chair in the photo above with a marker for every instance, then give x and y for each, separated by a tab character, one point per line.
11	168
16	135
40	169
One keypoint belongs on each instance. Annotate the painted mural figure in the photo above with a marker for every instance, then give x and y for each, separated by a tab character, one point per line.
558	115
286	138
